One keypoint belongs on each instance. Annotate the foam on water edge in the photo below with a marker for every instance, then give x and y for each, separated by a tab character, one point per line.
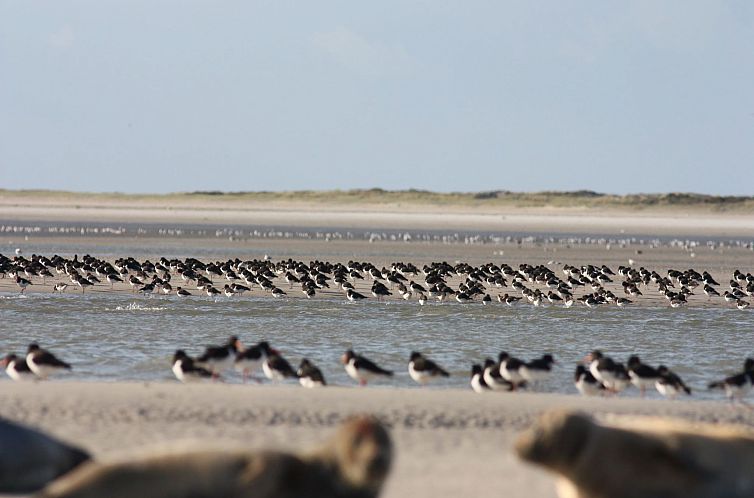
137	307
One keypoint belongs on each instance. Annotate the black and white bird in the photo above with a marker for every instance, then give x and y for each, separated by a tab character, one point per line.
17	368
379	290
621	380
414	287
509	300
82	282
492	378
669	384
361	369
309	375
477	379
220	358
275	367
113	278
43	363
463	298
611	374
353	296
22	283
278	292
135	283
642	375
510	369
710	291
422	369
250	359
537	370
730	297
585	382
739	385
186	371
622	302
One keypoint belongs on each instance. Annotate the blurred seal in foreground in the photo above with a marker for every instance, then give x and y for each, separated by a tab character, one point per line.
353	464
30	459
641	457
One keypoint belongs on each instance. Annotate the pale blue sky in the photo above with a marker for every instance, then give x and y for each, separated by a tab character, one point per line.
161	96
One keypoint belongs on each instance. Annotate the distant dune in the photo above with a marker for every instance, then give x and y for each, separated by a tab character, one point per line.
482	201
582	212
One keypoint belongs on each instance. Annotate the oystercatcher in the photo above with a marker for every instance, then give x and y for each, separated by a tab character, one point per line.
113	278
43	363
185	370
737	386
477	379
422	369
601	367
379	290
361	369
422	299
309	375
585	382
275	367
353	296
510	369
17	368
492	378
669	384
219	358
537	370
248	360
509	300
22	283
641	374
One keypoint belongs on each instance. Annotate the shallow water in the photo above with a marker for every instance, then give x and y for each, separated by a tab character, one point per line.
112	336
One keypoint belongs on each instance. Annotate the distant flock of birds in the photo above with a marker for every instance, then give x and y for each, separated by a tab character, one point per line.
597	374
537	284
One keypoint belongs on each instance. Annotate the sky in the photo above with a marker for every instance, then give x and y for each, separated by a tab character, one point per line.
169	96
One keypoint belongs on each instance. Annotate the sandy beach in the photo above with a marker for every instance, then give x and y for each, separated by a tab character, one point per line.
448	443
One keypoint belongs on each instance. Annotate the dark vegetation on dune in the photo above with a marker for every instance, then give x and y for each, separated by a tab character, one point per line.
378	196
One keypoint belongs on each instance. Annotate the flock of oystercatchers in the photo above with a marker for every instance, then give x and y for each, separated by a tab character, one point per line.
597	374
537	284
